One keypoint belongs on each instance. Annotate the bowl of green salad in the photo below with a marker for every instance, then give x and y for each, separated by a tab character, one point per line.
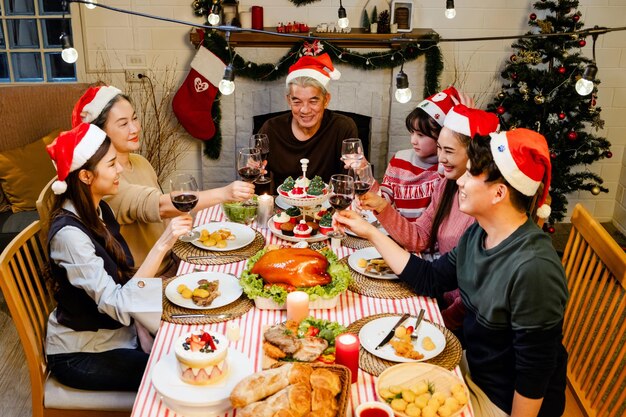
240	211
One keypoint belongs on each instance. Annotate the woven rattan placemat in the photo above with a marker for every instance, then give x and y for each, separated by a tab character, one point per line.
449	358
237	308
377	288
186	251
354	242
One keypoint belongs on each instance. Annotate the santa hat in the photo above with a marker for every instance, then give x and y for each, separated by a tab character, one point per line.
318	67
92	103
438	105
471	122
71	149
523	158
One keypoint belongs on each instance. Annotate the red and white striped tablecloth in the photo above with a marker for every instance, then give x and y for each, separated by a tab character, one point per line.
351	307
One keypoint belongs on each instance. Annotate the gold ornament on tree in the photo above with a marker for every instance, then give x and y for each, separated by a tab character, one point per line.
545	26
540	99
595	190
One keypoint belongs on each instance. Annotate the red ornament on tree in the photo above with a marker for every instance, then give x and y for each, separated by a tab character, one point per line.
561	116
561	69
500	110
609	154
572	135
514	75
576	17
551	230
533	16
593	102
582	43
552	155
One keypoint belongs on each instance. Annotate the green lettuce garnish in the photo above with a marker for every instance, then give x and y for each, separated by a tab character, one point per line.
254	287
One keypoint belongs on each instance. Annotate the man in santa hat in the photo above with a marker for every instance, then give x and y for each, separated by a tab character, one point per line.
311	130
510	277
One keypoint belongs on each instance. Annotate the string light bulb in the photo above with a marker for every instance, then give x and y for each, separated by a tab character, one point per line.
214	16
403	92
91	4
450	10
584	86
69	54
343	21
227	84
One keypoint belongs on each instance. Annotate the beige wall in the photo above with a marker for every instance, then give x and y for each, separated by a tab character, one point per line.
474	66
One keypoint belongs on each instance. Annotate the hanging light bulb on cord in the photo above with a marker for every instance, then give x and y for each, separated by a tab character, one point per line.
91	4
343	21
214	16
69	54
403	92
450	11
227	85
584	86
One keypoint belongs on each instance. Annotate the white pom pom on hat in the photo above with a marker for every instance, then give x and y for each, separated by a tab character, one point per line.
71	149
319	67
523	158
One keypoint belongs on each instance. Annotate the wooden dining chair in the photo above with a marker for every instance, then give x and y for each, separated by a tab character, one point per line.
22	266
594	330
45	200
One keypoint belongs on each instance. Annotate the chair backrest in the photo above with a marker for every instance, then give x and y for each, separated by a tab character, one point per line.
363	125
594	330
44	202
21	279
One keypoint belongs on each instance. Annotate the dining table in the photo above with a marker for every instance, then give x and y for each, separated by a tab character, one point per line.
351	307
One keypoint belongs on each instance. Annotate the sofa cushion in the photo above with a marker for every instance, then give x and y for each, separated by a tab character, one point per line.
4	202
57	395
17	222
25	171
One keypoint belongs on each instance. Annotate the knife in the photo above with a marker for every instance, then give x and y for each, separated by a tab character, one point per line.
208	316
392	331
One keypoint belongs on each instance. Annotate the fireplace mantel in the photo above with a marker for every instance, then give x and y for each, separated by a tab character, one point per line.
357	38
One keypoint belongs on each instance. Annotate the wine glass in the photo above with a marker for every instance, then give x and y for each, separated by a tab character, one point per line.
363	178
352	151
249	165
262	143
341	197
184	195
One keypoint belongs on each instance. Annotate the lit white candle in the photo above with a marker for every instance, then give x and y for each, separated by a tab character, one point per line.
265	209
232	331
297	306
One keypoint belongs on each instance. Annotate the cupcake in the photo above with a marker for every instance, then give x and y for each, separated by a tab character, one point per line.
302	230
314	227
319	212
202	357
297	192
295	213
326	223
286	186
287	228
280	219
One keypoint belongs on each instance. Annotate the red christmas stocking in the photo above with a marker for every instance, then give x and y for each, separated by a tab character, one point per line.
194	99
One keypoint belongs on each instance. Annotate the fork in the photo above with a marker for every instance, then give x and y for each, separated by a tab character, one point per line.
420	316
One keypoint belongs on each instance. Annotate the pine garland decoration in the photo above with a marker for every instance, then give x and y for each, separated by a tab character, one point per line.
370	61
299	3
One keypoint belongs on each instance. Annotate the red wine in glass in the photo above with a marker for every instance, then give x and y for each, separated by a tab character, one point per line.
361	187
340	202
249	174
184	196
185	202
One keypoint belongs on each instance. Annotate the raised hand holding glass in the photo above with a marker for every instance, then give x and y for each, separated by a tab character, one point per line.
249	165
261	142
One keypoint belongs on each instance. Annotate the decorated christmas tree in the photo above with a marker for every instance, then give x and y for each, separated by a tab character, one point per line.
538	93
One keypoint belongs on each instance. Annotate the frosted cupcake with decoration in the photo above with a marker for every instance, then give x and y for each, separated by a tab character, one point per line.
202	357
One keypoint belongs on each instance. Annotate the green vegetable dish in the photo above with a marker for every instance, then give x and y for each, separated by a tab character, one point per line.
239	212
254	287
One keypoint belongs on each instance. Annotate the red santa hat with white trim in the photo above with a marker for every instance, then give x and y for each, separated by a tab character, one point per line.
92	102
438	105
71	149
471	122
523	158
319	67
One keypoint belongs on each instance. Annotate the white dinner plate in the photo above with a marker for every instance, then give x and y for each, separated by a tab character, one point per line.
280	202
244	235
367	254
375	331
167	382
229	289
317	238
370	218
